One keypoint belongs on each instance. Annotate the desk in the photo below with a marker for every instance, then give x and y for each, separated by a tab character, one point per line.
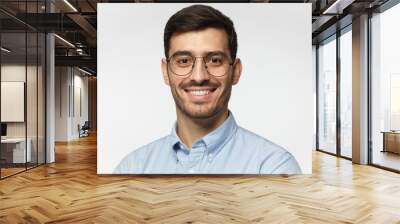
17	150
391	141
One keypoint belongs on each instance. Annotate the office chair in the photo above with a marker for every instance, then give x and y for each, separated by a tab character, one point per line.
84	130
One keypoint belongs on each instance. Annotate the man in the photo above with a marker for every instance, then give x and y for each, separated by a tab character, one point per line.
200	67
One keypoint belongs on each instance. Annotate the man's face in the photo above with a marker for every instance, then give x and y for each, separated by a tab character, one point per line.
200	95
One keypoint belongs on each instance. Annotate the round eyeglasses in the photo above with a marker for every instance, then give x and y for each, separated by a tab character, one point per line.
182	64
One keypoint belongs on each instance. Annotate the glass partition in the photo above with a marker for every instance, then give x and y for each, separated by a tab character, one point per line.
13	109
22	77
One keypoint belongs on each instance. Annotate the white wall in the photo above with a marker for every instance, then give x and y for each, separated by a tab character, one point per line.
79	117
61	103
67	85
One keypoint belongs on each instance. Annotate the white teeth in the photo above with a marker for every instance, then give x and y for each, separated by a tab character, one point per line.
199	92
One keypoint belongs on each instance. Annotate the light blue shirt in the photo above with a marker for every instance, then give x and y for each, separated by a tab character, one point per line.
229	149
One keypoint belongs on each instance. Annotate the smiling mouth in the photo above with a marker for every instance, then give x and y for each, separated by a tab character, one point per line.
200	92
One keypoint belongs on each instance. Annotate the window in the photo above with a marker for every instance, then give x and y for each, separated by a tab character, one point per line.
327	96
346	93
385	89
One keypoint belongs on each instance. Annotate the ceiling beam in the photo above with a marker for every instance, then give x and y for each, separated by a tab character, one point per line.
85	61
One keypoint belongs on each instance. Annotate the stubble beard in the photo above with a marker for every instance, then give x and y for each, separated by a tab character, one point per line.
199	111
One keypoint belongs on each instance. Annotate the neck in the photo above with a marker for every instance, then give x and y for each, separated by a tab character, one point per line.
192	129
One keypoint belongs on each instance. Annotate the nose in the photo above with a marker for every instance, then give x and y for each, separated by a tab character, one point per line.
199	72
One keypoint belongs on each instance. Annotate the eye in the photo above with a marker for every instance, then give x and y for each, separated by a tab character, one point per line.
183	61
216	60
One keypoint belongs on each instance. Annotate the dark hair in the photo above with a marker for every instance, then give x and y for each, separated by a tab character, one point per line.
197	17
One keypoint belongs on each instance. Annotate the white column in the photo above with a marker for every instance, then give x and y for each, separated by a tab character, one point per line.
360	90
50	92
50	100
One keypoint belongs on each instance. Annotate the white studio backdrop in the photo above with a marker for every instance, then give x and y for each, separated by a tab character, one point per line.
274	97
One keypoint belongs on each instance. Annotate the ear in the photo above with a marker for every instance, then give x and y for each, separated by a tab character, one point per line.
237	71
164	69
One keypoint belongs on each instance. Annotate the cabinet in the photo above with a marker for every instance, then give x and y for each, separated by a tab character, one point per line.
391	141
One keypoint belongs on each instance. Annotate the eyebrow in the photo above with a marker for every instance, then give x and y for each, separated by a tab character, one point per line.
190	53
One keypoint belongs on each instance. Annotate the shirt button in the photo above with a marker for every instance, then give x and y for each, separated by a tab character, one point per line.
210	155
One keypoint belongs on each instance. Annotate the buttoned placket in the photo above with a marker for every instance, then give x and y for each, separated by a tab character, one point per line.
196	156
189	159
212	143
210	156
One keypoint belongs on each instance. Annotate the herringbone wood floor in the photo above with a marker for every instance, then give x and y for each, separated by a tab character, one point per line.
70	191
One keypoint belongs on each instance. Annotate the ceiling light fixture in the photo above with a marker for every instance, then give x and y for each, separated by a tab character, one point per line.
338	6
84	71
5	50
64	40
70	5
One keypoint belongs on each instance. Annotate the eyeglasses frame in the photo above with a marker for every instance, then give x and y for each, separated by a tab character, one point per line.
194	64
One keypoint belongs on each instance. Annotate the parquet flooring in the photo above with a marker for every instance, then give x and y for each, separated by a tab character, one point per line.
387	159
70	191
10	171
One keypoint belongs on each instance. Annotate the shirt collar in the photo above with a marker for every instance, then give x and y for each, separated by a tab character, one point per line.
213	140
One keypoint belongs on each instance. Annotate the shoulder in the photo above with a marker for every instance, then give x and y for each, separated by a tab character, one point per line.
273	158
152	147
257	141
135	160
